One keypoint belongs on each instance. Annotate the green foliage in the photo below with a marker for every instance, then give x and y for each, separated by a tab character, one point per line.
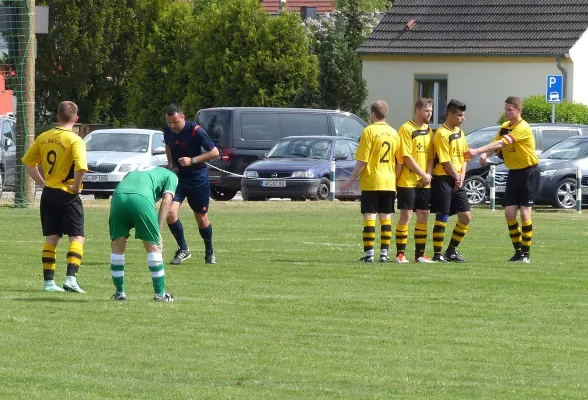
365	5
159	75
241	56
85	58
536	109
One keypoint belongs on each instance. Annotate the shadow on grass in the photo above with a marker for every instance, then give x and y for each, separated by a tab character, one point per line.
50	300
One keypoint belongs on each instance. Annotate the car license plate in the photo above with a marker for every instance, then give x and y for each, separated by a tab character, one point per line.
95	178
273	183
500	188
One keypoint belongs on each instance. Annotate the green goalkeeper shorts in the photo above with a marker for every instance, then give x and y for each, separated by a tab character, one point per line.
128	211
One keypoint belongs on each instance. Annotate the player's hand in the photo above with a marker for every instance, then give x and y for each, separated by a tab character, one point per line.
73	190
483	160
458	184
346	186
425	180
471	153
185	161
160	244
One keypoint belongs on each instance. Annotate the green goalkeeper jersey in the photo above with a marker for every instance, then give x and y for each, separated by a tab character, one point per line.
150	182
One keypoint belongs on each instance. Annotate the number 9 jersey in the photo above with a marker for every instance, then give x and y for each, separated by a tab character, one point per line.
61	152
379	147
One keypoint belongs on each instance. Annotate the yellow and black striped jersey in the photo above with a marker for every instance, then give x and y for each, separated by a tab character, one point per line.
60	152
379	146
519	145
416	142
449	146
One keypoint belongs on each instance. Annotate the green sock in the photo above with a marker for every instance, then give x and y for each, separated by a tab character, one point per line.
158	277
118	277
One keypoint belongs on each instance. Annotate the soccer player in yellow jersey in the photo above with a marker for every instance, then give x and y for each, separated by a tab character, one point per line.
516	142
379	147
448	196
62	155
414	180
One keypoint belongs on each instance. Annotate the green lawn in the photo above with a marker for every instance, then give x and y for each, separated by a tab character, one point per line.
289	313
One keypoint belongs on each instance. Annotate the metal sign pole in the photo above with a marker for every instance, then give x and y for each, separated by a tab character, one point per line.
553	113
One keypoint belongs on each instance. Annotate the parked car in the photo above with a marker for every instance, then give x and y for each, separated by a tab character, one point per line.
298	167
244	135
7	152
113	153
557	166
546	135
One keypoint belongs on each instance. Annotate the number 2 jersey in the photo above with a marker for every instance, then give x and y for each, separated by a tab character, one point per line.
379	146
61	153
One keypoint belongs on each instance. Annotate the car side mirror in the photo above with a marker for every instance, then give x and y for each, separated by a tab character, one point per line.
159	150
341	156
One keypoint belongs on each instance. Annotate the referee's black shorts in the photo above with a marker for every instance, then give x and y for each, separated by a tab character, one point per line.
62	213
444	200
522	186
377	201
413	198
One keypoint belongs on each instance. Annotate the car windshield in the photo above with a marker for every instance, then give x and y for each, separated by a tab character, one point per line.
119	142
571	149
318	149
481	137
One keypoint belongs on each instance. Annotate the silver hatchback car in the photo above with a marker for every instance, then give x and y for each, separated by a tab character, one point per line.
113	153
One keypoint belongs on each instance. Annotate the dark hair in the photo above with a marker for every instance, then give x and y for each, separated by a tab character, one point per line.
174	109
455	105
515	101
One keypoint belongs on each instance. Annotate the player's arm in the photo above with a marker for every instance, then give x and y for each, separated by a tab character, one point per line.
80	164
31	161
36	175
207	144
496	144
168	155
361	158
166	202
443	152
359	166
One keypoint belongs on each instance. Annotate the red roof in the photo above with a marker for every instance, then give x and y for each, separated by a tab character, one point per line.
322	6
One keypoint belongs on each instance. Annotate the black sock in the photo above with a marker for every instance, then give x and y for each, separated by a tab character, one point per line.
206	234
178	231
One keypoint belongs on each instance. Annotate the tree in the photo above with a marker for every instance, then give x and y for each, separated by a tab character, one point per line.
159	75
85	58
243	57
366	6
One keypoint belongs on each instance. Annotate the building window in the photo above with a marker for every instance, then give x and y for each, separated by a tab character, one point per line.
434	87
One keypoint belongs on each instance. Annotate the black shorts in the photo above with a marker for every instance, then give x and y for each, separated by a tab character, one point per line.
62	213
444	200
413	198
196	191
522	186
377	202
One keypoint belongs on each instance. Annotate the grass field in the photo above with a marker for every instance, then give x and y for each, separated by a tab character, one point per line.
288	313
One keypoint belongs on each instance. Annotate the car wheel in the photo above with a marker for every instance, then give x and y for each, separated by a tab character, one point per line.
324	188
221	194
475	188
102	196
565	194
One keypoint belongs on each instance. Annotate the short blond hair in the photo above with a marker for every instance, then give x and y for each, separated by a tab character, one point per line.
515	101
380	108
67	111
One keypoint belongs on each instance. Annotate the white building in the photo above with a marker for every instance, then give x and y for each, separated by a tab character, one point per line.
478	52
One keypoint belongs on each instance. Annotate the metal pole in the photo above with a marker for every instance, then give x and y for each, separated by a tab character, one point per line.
26	104
553	113
492	182
332	179
579	190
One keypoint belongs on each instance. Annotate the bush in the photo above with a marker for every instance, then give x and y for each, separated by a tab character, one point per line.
537	110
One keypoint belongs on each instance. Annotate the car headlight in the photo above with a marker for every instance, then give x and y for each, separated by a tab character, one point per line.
302	174
128	167
251	174
548	172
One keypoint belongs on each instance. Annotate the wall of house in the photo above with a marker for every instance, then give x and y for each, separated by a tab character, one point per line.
481	82
579	56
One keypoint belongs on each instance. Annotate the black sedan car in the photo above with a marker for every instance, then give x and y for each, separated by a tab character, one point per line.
298	167
557	167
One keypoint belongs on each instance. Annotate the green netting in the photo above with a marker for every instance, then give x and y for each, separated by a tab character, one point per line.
17	80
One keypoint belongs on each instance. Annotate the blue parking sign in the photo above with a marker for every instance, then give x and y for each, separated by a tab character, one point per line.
554	92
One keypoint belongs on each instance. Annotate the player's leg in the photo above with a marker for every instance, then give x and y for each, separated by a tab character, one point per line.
175	226
460	205
532	181
52	230
385	210
441	188
422	204
406	197
512	200
199	201
369	210
147	229
120	223
73	226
